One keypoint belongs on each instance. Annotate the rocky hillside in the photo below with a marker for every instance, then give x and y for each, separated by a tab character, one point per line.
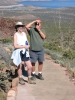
6	27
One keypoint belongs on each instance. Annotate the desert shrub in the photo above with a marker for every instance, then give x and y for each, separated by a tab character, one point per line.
55	47
2	96
55	55
6	40
52	46
4	56
60	62
5	77
47	51
46	45
69	54
1	66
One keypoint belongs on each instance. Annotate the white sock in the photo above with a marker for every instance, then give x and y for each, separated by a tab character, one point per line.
33	72
40	72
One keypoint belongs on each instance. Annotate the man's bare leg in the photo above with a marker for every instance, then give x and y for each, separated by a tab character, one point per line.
40	67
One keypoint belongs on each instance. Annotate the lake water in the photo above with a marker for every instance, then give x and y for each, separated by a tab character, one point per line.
48	4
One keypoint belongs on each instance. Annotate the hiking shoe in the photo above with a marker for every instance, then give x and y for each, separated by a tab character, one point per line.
31	81
40	76
21	81
33	76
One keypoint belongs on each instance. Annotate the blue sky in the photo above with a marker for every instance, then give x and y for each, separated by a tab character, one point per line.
51	3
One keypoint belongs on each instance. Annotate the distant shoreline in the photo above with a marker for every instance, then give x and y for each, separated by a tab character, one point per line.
18	5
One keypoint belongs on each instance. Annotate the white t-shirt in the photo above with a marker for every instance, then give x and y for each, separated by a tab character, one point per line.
21	39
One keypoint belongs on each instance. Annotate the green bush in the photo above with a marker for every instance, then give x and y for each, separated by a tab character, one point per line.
54	47
47	51
6	40
2	96
46	45
69	54
56	55
60	62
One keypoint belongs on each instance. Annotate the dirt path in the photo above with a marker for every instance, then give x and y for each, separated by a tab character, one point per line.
56	85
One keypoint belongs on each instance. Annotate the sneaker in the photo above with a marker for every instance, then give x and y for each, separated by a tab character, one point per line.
40	76
33	76
21	81
31	81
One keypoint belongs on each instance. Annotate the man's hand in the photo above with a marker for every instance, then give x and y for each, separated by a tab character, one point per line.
37	27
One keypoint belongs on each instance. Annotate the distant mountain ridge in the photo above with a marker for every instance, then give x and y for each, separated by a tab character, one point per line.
12	2
8	2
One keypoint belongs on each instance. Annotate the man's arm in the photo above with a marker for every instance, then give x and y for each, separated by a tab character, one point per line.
30	24
37	27
42	34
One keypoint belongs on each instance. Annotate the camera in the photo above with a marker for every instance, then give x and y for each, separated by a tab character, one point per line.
36	23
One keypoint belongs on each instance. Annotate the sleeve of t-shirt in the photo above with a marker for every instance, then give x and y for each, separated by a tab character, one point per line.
29	31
